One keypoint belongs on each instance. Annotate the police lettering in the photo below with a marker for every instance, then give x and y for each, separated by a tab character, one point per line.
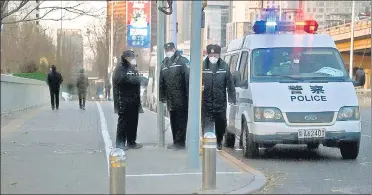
311	98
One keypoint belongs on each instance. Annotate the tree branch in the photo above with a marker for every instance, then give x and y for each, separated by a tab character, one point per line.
49	9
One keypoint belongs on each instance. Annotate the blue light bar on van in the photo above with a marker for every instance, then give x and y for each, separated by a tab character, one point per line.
260	27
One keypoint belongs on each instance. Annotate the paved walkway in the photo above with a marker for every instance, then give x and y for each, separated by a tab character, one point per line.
64	151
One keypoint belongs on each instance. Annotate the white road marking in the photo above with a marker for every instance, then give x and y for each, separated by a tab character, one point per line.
105	135
179	174
366	136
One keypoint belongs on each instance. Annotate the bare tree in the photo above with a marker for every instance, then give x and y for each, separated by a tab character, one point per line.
99	43
24	44
25	8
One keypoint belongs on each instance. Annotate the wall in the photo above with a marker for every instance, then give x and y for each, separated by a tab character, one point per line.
20	93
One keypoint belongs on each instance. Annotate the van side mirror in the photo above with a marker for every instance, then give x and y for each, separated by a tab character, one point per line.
357	84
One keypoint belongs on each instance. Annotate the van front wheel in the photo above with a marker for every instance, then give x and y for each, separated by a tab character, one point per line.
250	148
349	150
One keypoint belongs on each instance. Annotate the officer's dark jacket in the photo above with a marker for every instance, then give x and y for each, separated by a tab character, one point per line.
82	83
54	80
126	87
174	82
215	82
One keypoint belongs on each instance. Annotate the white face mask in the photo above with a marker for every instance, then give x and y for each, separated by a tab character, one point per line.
169	54
213	60
133	62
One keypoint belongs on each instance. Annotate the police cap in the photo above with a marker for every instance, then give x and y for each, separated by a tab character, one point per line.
213	49
169	45
128	54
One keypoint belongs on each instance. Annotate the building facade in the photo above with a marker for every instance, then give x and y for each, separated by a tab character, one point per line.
331	13
71	52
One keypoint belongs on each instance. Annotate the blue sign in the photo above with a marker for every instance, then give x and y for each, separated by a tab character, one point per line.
138	24
138	37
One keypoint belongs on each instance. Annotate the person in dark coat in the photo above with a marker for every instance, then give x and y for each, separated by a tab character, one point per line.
216	78
174	90
82	84
127	101
107	89
54	81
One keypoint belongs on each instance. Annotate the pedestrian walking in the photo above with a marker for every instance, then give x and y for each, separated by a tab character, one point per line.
107	90
54	81
82	86
216	78
127	101
174	90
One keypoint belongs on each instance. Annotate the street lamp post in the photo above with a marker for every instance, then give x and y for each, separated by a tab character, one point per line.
352	41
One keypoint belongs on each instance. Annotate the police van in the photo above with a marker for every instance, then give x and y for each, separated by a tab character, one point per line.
292	87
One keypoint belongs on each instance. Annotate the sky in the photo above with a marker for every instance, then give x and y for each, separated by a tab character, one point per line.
82	22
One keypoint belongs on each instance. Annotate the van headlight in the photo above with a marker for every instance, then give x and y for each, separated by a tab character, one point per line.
268	114
348	113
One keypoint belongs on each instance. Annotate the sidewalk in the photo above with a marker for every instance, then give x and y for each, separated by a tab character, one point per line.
49	152
162	171
63	151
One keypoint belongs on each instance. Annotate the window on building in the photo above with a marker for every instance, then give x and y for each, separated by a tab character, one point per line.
321	10
308	9
314	9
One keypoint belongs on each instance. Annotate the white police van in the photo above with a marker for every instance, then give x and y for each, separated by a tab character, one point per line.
292	88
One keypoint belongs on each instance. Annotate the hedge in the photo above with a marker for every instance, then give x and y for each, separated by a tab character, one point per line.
35	75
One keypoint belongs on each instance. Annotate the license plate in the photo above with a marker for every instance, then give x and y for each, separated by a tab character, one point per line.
311	133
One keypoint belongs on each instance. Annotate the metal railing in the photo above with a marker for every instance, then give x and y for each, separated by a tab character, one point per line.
346	28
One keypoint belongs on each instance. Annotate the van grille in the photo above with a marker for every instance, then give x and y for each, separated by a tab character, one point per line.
310	117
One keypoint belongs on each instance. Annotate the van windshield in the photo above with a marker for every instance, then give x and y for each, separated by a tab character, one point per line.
298	64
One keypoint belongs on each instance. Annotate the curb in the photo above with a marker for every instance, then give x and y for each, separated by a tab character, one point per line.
259	179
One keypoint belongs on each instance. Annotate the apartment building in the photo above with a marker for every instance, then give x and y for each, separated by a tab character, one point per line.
330	13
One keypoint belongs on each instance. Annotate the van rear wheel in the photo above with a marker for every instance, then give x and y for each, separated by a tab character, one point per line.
349	150
250	148
229	140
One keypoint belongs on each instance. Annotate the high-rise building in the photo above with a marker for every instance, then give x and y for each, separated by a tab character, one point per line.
184	21
236	30
71	52
330	13
216	17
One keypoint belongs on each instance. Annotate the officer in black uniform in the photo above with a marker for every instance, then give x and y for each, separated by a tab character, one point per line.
174	89
216	78
127	101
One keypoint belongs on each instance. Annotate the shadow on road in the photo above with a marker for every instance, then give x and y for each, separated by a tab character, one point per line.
295	153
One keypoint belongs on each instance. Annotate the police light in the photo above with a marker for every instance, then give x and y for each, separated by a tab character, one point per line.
309	26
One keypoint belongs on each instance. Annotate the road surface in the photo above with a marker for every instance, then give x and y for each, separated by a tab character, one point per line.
294	169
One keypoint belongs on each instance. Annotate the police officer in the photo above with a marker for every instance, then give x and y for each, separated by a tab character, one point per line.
126	92
174	89
82	85
216	78
54	81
